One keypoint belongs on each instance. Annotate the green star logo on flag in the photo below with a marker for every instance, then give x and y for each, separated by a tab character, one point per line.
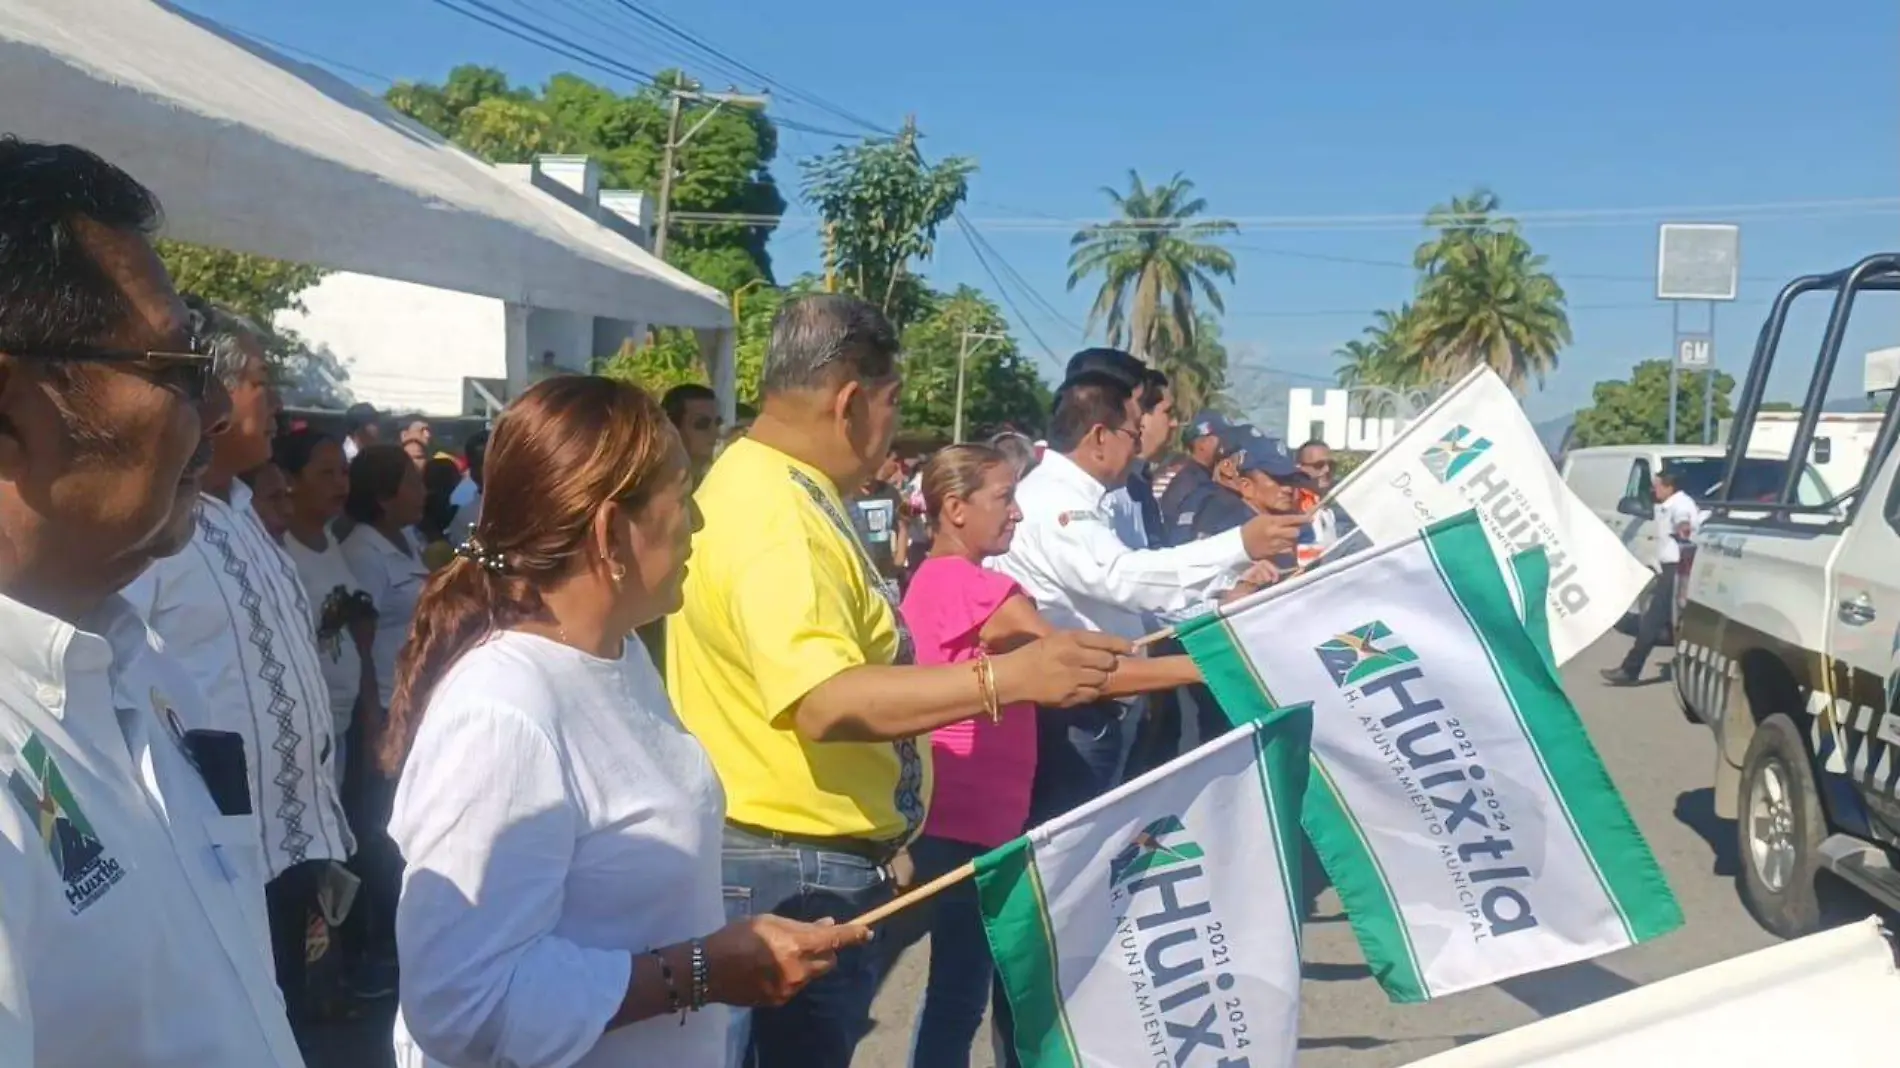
1363	653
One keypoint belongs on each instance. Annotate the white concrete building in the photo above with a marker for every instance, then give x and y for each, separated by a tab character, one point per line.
416	348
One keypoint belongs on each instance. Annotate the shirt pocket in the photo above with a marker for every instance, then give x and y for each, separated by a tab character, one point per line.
237	860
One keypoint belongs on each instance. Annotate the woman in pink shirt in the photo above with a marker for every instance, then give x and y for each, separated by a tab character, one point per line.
955	610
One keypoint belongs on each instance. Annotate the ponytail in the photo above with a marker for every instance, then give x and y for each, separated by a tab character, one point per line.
462	605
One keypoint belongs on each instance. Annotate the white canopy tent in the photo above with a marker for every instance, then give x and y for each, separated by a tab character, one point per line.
252	151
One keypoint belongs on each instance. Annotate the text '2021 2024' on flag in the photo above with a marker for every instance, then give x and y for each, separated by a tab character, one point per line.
1456	801
1474	448
1159	924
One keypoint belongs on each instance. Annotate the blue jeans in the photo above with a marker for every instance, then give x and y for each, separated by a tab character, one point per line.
819	1028
960	965
1079	757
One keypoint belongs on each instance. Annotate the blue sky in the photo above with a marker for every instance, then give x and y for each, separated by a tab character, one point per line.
1337	109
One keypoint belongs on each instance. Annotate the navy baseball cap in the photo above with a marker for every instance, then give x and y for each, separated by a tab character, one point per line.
1206	423
1254	451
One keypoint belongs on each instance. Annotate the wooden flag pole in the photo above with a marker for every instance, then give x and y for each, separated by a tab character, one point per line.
916	894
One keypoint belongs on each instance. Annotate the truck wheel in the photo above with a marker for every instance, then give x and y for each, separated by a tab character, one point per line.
1779	829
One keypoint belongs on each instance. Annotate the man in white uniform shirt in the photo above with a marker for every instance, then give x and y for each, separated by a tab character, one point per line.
232	610
132	926
1677	520
1067	556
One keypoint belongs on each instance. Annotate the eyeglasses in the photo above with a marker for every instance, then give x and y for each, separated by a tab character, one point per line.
187	372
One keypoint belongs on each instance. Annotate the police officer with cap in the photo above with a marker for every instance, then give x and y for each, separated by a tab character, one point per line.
1201	439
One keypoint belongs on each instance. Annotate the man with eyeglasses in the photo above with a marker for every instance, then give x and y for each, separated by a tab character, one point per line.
231	609
132	916
693	410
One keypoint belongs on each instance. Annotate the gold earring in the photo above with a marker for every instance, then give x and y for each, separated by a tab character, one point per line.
617	571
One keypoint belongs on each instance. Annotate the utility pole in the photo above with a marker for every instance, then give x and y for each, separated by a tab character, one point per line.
963	361
676	141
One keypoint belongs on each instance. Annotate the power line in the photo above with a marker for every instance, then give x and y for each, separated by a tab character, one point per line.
1591	217
292	49
1322	257
1003	291
562	47
1035	296
659	21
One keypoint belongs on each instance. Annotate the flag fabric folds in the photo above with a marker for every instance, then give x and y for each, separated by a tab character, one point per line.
1159	924
1456	801
1475	449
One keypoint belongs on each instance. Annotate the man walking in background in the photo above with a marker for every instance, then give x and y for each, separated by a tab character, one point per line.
1677	521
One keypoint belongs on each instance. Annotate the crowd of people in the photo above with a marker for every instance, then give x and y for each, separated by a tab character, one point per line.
293	719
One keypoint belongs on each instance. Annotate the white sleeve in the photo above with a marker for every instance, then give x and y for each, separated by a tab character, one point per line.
485	823
1086	557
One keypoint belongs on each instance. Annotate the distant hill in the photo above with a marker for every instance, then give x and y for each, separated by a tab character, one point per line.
1552	431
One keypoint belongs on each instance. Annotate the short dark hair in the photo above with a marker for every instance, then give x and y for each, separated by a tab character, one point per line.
292	452
815	337
1086	401
52	293
676	399
1669	474
1122	365
359	415
1154	385
375	476
1313	443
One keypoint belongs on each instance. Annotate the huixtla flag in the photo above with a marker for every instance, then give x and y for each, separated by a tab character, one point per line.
1158	925
1456	801
1475	449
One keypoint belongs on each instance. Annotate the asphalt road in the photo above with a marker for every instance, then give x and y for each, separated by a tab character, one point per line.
1660	762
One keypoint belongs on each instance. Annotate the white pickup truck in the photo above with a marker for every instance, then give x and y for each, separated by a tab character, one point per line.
1786	646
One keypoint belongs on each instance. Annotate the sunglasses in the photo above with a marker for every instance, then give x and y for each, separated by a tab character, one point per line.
187	372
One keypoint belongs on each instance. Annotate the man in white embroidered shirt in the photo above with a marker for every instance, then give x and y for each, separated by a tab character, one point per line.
132	926
1067	555
232	610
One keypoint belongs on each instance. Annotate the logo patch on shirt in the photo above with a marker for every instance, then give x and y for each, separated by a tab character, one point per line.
71	843
1063	519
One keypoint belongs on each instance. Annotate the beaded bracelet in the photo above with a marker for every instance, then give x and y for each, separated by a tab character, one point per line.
702	982
666	979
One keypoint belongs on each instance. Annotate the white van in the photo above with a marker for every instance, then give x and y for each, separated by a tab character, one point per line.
1614	481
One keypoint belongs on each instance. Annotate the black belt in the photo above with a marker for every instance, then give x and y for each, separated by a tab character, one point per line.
870	849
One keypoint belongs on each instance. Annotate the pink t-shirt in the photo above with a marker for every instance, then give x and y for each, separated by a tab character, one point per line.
984	770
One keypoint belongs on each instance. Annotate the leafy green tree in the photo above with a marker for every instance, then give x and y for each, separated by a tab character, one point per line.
256	287
1000	383
1636	411
1485	298
723	168
1153	266
882	205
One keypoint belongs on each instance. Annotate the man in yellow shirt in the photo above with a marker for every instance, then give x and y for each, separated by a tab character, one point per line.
791	665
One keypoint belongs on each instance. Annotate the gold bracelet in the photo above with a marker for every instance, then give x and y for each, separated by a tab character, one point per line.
986	674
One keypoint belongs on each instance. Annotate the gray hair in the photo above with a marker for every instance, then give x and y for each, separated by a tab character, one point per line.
223	331
1017	449
812	334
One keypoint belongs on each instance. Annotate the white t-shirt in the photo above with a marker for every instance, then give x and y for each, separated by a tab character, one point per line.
330	582
1671	514
557	822
394	582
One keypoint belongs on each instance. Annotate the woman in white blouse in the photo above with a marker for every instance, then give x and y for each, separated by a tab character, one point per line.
562	904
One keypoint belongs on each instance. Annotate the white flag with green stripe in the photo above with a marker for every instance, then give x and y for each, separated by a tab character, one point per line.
1157	925
1456	801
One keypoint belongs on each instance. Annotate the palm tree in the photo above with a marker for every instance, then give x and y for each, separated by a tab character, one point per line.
1385	354
1485	298
1153	265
